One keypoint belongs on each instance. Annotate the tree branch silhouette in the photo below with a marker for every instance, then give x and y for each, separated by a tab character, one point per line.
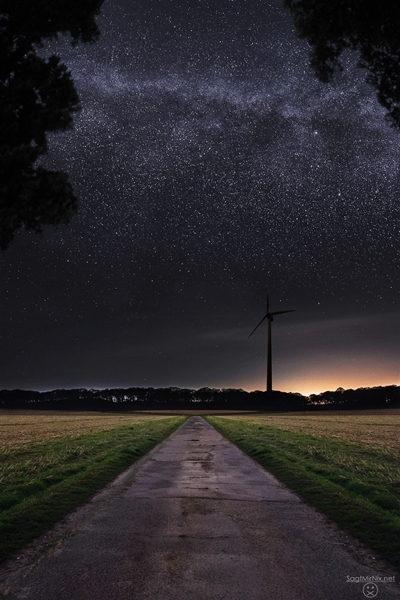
370	28
37	96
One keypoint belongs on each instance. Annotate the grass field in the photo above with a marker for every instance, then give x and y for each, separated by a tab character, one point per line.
18	428
52	463
379	428
347	464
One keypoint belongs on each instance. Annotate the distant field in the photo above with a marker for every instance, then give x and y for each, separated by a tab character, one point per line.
52	463
18	428
380	428
347	464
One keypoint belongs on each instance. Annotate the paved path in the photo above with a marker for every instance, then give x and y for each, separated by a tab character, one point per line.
200	520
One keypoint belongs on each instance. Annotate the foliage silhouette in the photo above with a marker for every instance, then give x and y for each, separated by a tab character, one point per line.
37	96
371	28
137	398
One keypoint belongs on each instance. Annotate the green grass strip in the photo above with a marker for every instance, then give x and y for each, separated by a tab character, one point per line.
41	483
355	485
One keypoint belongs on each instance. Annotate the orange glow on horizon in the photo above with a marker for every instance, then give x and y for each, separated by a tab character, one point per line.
317	356
328	380
320	385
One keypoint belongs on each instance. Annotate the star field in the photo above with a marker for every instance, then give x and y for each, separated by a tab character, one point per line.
211	167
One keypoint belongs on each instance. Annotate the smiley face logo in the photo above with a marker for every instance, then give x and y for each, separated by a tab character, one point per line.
370	590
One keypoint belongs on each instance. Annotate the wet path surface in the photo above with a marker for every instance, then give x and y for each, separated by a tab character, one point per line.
200	520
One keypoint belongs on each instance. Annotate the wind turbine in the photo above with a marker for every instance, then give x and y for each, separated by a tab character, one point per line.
270	316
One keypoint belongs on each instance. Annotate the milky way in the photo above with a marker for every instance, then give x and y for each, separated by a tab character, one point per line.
211	167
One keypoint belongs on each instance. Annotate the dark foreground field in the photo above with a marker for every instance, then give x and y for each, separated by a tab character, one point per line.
52	463
346	464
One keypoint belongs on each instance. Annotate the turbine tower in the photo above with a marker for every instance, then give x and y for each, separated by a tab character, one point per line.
270	317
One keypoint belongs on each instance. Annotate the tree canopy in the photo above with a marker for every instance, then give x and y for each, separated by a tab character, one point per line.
371	28
37	96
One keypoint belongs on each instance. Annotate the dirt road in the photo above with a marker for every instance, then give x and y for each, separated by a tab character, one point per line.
197	519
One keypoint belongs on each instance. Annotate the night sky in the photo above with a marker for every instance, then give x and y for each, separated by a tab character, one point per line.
211	167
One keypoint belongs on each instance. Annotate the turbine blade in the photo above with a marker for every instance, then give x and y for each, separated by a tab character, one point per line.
281	312
263	319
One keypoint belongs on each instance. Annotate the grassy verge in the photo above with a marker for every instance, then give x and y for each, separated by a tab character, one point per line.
41	482
356	485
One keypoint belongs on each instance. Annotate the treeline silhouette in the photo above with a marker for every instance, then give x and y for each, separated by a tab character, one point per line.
174	398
